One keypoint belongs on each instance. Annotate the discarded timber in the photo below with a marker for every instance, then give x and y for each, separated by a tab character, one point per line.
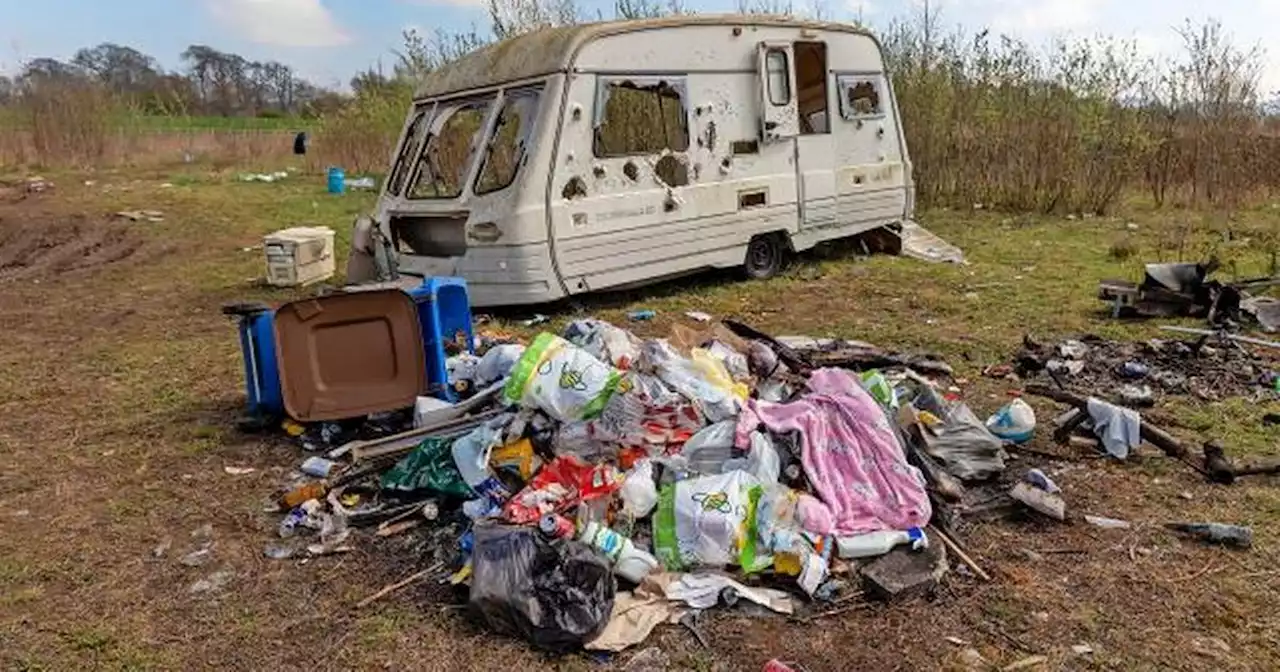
1214	463
1221	470
1150	433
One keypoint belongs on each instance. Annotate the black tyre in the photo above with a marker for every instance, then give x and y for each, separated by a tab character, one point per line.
765	257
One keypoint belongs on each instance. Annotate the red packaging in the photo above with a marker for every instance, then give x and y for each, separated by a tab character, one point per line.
559	486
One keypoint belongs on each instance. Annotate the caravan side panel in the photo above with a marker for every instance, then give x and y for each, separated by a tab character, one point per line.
624	209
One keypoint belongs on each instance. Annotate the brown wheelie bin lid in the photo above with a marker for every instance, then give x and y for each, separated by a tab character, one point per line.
348	355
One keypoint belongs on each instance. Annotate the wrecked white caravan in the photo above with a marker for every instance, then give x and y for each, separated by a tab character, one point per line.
579	158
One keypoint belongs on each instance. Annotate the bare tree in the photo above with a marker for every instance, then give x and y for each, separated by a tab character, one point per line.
638	9
123	69
513	17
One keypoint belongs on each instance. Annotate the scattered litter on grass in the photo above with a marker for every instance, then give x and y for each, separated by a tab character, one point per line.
238	471
1108	523
264	177
213	583
590	486
153	216
1216	533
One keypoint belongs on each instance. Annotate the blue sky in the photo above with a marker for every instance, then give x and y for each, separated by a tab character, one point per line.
328	40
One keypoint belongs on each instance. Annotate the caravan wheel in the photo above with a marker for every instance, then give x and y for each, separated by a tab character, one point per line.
765	255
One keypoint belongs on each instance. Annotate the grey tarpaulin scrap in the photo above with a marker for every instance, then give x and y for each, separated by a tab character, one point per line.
1118	428
920	243
1264	309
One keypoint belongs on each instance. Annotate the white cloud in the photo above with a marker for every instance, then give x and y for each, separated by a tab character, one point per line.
454	3
285	23
1046	16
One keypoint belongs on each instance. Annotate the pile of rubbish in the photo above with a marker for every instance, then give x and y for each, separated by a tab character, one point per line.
1138	374
591	485
1185	289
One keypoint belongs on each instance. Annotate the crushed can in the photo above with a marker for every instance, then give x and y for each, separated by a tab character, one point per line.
556	526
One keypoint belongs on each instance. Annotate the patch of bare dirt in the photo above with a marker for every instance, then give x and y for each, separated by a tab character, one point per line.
37	246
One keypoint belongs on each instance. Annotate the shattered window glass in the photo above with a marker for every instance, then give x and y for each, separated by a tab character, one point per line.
641	117
408	150
509	142
442	168
860	96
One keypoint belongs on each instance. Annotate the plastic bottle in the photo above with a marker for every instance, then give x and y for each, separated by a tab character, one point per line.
629	561
1216	533
471	456
794	554
318	467
304	492
879	543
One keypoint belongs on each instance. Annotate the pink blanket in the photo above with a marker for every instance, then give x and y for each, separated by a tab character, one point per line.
850	453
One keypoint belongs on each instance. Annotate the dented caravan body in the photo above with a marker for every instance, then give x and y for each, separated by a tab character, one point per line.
580	158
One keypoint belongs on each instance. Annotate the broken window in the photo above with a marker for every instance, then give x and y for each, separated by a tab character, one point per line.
442	167
640	117
408	150
509	141
860	96
778	73
811	86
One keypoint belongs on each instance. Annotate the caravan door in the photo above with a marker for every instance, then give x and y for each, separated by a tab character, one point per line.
795	110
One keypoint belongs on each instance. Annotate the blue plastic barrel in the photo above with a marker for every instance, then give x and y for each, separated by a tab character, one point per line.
337	180
444	310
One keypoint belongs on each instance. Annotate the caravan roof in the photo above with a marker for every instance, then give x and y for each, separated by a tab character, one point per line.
549	50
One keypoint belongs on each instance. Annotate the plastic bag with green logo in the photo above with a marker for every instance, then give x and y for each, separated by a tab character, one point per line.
561	379
707	521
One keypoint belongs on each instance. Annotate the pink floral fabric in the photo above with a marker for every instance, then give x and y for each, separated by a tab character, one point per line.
850	454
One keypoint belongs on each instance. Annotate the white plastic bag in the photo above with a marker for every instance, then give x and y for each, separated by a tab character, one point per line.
604	341
639	491
702	521
497	364
763	461
707	451
690	379
560	378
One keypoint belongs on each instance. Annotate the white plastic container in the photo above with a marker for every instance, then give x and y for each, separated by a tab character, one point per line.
299	256
878	543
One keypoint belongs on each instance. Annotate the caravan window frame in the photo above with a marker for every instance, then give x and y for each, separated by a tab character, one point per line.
525	139
489	101
847	81
675	82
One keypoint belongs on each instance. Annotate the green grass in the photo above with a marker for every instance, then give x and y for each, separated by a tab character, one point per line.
160	387
12	119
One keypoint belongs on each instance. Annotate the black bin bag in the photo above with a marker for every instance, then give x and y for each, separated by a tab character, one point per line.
556	594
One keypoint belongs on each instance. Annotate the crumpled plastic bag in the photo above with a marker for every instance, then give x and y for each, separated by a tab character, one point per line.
702	379
497	364
708	451
560	378
735	362
639	491
428	467
604	341
960	441
557	595
643	419
460	370
702	522
763	460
